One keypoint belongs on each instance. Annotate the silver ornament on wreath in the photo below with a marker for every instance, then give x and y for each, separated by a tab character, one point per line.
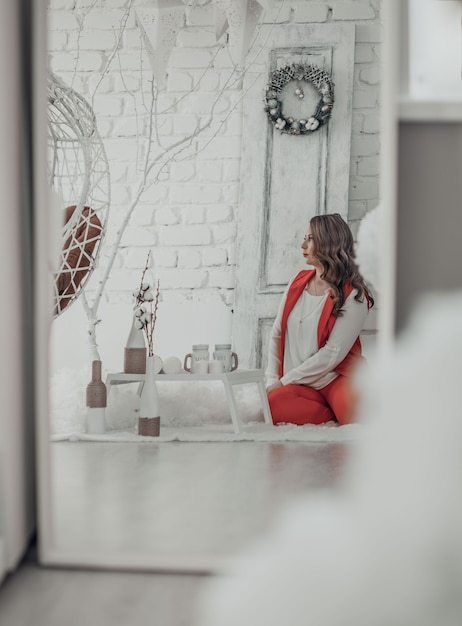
321	81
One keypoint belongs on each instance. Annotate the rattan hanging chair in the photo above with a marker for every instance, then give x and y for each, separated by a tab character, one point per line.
79	173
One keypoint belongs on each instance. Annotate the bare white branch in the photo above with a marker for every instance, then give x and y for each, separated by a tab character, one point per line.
152	167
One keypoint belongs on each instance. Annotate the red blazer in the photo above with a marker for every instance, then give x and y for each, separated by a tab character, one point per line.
326	323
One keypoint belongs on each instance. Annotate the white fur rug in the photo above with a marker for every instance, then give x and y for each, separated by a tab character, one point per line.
330	432
181	404
196	412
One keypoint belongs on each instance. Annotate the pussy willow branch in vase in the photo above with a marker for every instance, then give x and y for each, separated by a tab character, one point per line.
146	308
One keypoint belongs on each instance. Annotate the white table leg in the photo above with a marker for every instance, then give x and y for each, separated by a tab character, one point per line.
232	405
108	384
264	403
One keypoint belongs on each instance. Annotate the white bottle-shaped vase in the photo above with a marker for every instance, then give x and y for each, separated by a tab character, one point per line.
135	351
149	417
96	402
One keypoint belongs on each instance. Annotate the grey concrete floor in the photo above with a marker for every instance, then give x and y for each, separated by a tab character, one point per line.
39	596
258	482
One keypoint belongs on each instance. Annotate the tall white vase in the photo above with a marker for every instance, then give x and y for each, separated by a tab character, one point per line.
96	401
149	418
135	351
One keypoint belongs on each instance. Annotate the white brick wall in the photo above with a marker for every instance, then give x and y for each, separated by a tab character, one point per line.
357	10
189	217
310	12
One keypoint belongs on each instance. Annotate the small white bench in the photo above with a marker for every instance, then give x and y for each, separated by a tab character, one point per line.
229	379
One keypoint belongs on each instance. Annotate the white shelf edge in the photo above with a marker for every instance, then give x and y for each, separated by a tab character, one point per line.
419	110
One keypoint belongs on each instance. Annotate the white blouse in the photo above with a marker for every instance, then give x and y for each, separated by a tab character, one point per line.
304	362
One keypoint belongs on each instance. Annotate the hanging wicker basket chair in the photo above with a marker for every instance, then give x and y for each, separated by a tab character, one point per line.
79	174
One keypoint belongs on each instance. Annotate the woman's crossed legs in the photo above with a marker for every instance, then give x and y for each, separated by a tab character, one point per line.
300	404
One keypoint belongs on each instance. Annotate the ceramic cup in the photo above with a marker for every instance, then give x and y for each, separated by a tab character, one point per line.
224	354
200	367
198	355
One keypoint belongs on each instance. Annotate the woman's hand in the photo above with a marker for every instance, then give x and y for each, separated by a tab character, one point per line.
273	386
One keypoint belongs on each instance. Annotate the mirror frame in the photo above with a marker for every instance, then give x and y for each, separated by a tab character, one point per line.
48	554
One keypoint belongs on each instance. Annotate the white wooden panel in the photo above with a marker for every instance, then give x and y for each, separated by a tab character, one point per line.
295	171
263	334
285	180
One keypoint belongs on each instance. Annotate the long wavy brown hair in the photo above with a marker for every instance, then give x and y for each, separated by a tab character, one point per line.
334	249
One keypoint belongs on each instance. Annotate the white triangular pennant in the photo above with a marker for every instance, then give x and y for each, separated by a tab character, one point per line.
159	25
242	16
221	21
268	5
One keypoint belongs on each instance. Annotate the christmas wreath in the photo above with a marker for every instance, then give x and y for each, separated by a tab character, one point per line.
321	80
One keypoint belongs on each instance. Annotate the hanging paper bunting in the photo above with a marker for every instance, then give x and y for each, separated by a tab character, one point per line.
268	5
221	21
242	17
190	5
159	25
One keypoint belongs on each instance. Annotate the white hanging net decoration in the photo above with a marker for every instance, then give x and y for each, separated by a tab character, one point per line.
79	174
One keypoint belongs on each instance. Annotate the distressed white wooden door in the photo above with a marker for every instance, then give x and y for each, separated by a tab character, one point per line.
285	179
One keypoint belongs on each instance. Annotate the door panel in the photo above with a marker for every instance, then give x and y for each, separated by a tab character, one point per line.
288	160
285	179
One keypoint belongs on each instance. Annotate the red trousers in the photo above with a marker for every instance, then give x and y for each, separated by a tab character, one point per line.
299	404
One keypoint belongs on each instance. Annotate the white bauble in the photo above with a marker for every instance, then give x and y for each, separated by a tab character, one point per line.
172	365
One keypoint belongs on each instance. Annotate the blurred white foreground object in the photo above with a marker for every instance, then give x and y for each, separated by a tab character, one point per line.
387	549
